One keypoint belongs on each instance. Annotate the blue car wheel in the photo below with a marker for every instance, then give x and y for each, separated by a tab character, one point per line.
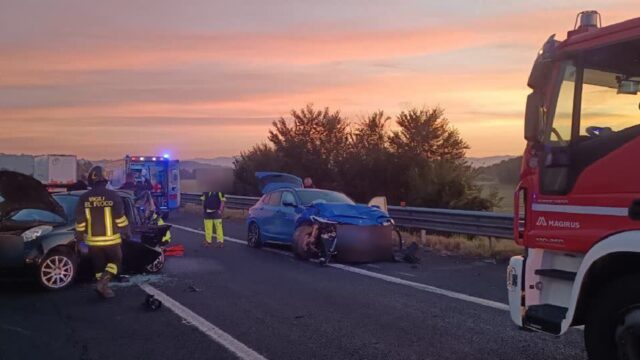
254	238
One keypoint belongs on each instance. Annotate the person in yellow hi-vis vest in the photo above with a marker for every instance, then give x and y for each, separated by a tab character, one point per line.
213	206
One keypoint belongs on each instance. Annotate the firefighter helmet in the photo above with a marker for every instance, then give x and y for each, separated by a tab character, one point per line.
96	175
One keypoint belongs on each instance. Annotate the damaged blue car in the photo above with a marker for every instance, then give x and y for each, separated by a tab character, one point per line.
318	223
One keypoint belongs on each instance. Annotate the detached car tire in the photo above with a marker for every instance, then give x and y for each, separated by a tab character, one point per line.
58	269
613	321
254	237
299	238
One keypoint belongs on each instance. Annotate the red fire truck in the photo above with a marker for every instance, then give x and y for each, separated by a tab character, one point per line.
577	207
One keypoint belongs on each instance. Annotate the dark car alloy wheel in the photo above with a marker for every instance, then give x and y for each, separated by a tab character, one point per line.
157	265
253	235
57	270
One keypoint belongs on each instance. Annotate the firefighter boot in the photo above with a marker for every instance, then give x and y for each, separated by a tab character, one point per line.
103	286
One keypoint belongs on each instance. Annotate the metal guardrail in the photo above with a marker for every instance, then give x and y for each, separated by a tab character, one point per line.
454	221
439	220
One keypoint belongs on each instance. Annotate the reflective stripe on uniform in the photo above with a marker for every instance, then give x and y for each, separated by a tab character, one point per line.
81	227
122	222
108	221
112	268
104	240
104	243
87	213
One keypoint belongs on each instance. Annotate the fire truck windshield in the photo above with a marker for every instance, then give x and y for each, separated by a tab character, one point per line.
609	102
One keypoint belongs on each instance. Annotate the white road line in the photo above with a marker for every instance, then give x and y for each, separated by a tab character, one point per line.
391	279
373	266
406	274
202	233
219	336
423	287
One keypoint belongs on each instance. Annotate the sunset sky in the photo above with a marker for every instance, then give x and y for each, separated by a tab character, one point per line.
205	78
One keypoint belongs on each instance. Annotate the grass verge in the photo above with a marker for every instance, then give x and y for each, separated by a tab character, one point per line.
477	246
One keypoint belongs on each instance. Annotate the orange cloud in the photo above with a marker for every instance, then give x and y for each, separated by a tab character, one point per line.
121	86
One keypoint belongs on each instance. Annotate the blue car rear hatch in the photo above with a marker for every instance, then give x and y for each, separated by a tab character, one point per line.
269	181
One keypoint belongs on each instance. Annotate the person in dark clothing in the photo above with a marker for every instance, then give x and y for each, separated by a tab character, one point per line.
79	185
100	216
308	183
129	184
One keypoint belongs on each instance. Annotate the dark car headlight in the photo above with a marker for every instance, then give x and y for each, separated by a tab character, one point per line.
36	232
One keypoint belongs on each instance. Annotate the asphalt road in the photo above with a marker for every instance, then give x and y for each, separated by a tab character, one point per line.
268	304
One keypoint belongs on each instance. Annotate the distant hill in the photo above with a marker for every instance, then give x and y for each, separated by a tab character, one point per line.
225	161
478	162
505	172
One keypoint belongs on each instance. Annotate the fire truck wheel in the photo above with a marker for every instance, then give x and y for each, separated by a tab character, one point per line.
613	322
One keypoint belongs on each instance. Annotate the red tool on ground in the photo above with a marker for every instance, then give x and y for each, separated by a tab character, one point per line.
175	250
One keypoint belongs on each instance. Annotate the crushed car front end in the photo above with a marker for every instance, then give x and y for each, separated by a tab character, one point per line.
364	233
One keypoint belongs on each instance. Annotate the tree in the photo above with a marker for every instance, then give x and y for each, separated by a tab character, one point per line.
426	134
364	170
312	143
422	163
261	157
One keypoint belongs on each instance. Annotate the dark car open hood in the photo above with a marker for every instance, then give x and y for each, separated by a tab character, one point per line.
19	191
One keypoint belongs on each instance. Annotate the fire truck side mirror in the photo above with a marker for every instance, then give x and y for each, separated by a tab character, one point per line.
533	117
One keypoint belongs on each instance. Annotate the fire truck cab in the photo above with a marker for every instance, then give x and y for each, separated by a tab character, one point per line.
577	209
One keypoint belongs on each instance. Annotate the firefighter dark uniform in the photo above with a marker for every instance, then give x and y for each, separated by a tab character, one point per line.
213	205
100	215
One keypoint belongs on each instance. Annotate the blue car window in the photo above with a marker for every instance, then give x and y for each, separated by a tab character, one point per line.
287	197
274	199
309	196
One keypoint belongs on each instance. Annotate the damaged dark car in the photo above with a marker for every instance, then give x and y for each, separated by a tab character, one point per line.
37	234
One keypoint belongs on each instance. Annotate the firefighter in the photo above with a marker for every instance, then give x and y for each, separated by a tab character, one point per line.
100	215
213	206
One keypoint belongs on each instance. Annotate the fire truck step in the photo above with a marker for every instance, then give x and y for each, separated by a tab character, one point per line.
545	317
557	274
